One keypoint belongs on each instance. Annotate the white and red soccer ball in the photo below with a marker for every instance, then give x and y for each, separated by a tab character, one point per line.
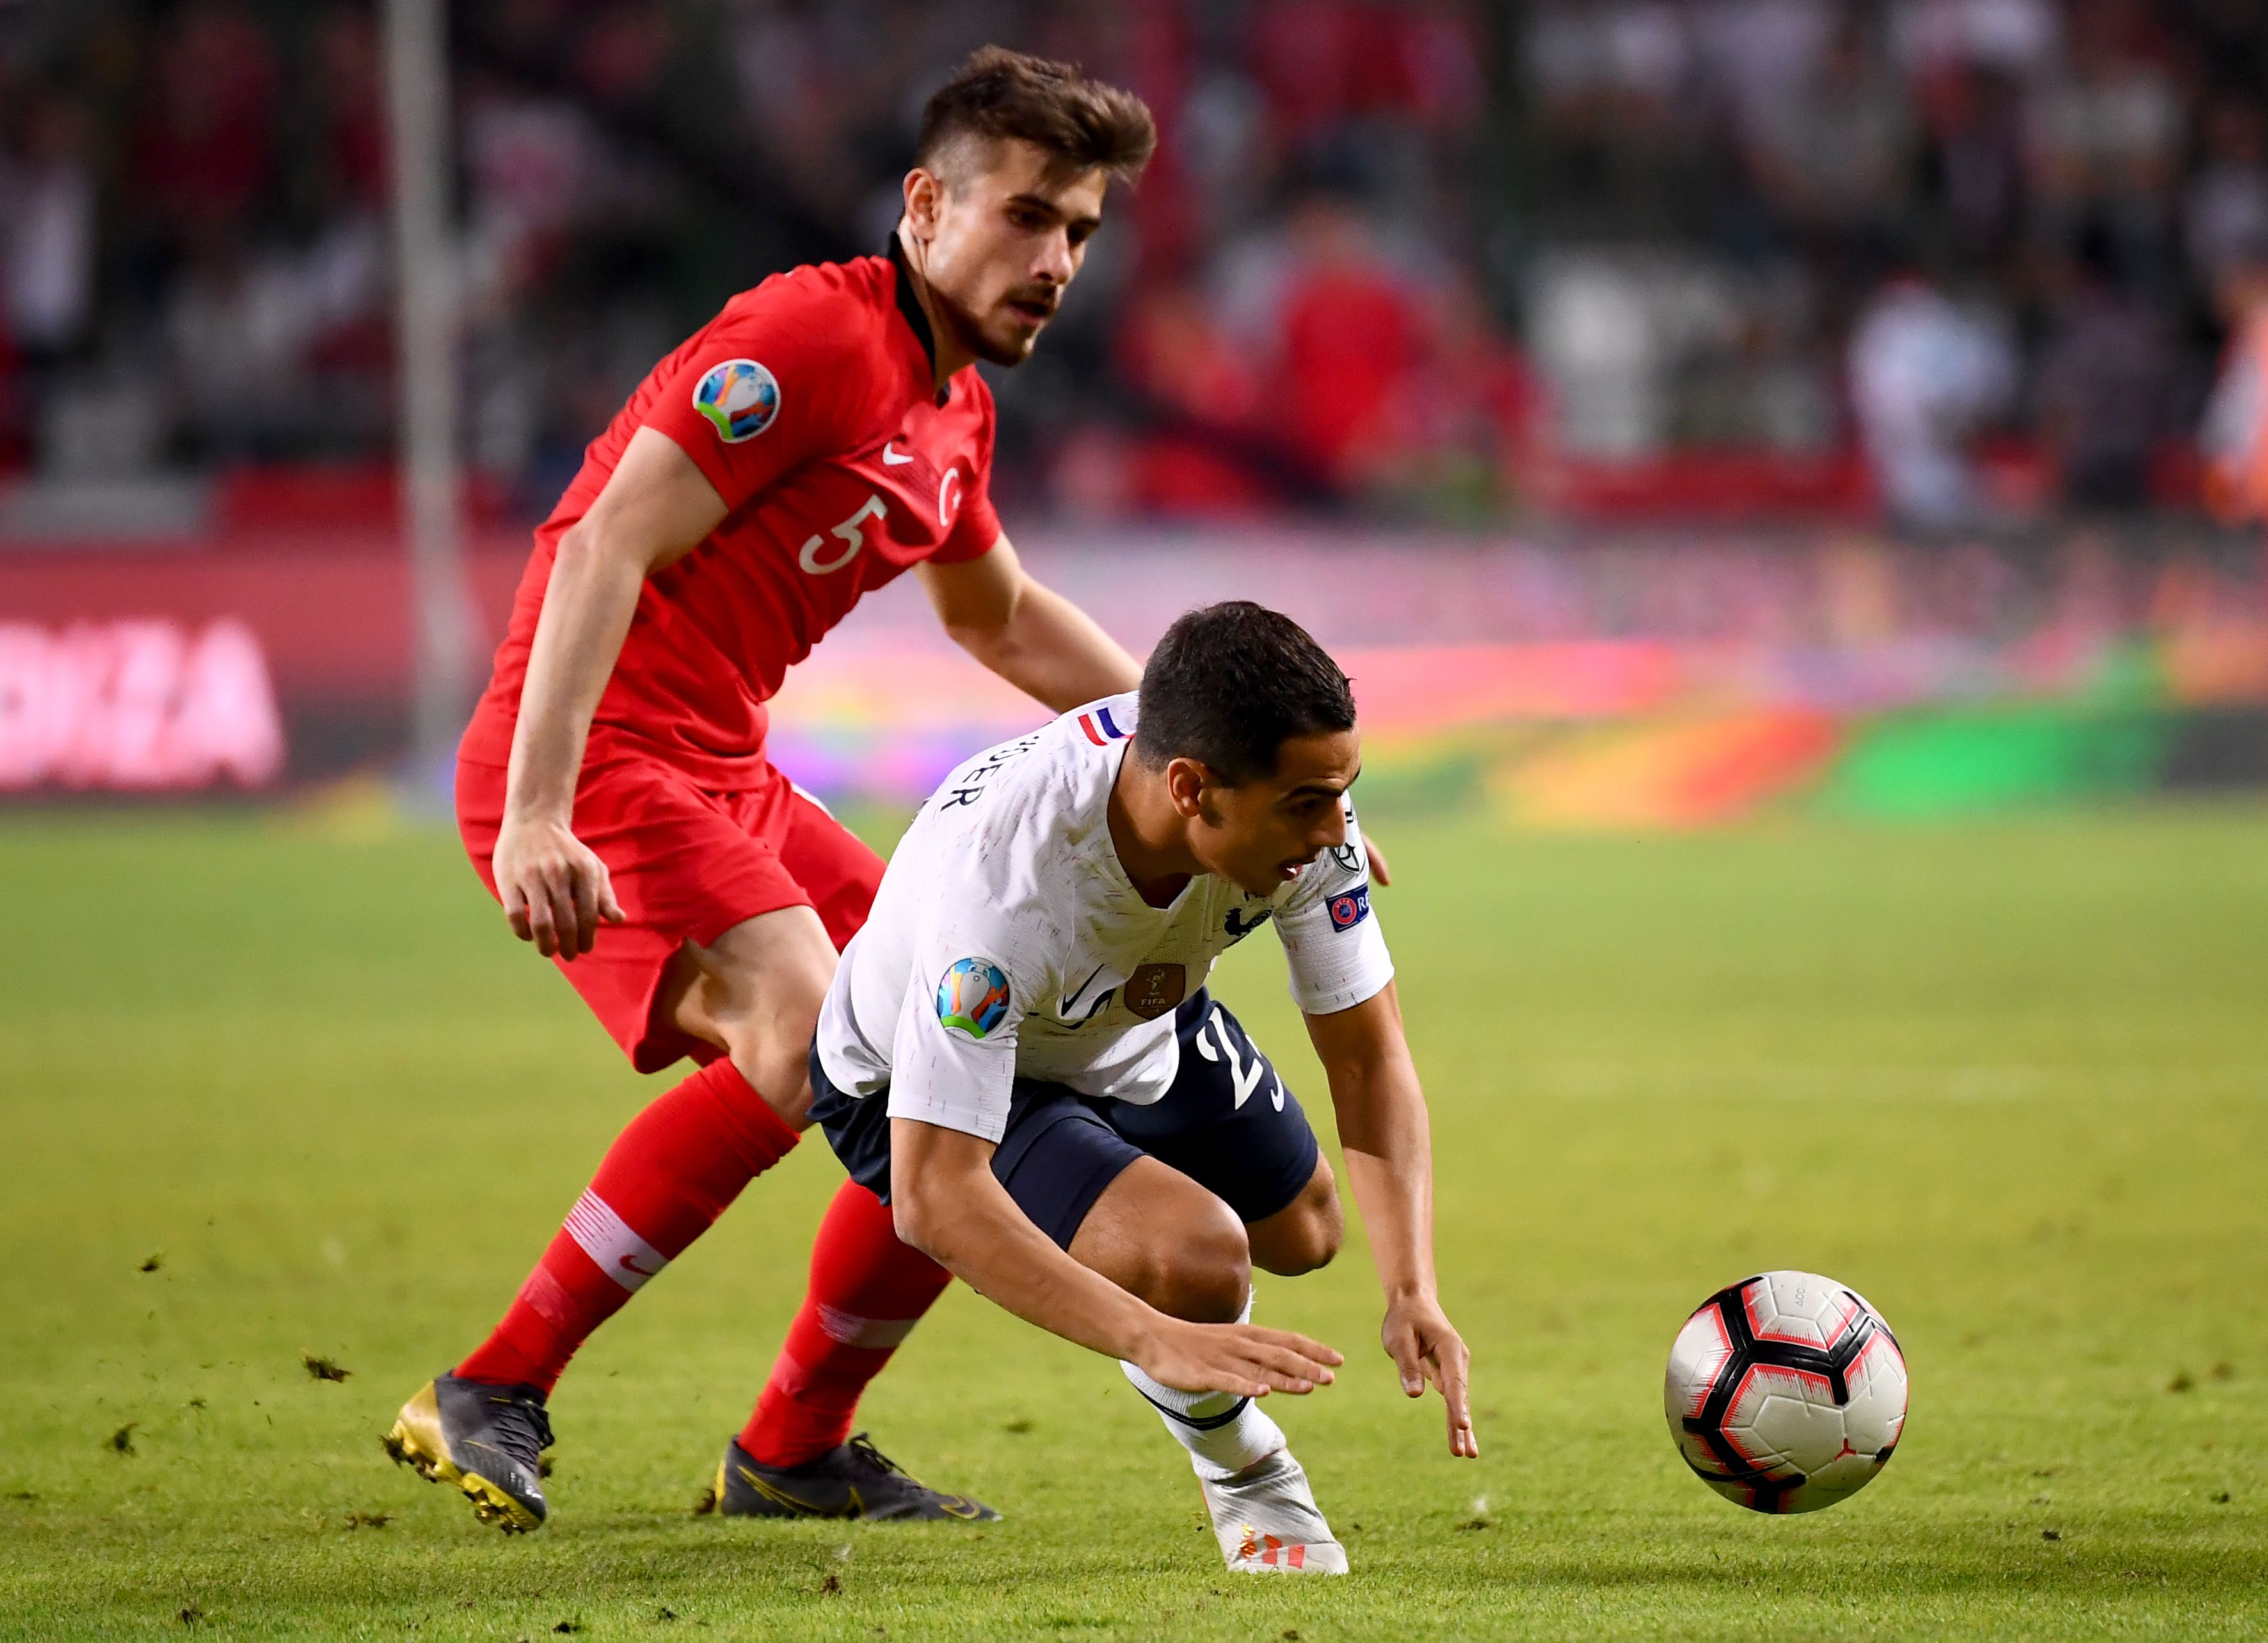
1786	1392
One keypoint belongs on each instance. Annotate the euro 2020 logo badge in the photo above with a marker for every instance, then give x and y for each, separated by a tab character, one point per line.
739	397
973	996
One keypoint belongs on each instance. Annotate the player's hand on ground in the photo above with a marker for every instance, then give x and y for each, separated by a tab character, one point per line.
1425	1346
554	891
1240	1358
1380	874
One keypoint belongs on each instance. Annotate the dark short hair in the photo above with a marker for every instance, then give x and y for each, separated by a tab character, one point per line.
1230	684
1001	94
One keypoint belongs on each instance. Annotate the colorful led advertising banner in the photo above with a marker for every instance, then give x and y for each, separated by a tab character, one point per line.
1670	680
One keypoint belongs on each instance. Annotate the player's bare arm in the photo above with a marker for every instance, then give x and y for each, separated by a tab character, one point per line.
1389	1145
1026	633
656	509
950	1206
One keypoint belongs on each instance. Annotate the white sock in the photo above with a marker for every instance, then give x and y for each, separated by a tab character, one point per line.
1223	1432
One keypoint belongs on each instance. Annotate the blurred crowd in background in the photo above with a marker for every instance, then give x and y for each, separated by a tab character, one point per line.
1986	241
1413	258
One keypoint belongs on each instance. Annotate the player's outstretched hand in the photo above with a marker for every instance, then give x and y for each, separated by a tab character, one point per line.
1381	873
555	891
1425	1346
1240	1358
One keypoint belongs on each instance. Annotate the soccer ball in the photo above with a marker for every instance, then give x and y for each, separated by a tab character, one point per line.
1786	1392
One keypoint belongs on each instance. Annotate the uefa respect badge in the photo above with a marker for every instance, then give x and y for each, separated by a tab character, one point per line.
973	997
739	397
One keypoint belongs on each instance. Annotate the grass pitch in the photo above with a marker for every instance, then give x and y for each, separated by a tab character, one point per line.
268	1090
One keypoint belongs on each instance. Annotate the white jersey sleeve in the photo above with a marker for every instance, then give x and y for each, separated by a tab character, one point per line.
1332	944
953	1058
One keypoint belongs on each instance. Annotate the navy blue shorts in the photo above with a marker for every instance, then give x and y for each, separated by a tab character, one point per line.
1229	1123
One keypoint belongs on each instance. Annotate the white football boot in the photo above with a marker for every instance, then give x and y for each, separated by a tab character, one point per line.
1268	1521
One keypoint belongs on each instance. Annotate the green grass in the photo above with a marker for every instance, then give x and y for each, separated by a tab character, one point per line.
2010	1080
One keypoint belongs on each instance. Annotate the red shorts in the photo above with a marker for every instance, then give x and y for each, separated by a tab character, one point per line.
688	864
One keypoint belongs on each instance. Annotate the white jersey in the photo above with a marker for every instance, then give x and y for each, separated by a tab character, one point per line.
1006	941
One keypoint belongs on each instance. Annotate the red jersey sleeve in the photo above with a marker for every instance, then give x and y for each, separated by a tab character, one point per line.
976	527
781	380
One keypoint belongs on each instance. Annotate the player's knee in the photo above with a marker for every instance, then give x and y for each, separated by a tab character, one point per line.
782	1023
1305	1233
1205	1274
1306	1242
770	1043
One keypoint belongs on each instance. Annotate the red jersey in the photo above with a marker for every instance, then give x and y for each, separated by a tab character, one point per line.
809	404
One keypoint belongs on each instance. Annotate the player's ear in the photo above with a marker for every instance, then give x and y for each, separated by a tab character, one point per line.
924	192
1185	784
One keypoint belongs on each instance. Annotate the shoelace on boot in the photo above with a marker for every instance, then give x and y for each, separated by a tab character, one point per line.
863	1448
521	1429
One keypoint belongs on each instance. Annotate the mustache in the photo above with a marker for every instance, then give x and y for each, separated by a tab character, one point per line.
1046	297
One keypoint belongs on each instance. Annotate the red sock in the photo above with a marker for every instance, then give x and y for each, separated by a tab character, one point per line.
868	1292
666	1179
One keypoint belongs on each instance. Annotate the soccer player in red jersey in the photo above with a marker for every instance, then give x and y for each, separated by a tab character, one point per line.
822	435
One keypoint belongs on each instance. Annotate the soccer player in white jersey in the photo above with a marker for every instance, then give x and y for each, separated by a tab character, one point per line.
1018	1053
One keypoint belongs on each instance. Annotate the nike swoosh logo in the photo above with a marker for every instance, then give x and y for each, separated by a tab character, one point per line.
894	459
1071	999
630	1264
777	1495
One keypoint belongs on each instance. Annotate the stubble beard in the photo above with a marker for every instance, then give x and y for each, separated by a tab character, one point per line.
972	335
